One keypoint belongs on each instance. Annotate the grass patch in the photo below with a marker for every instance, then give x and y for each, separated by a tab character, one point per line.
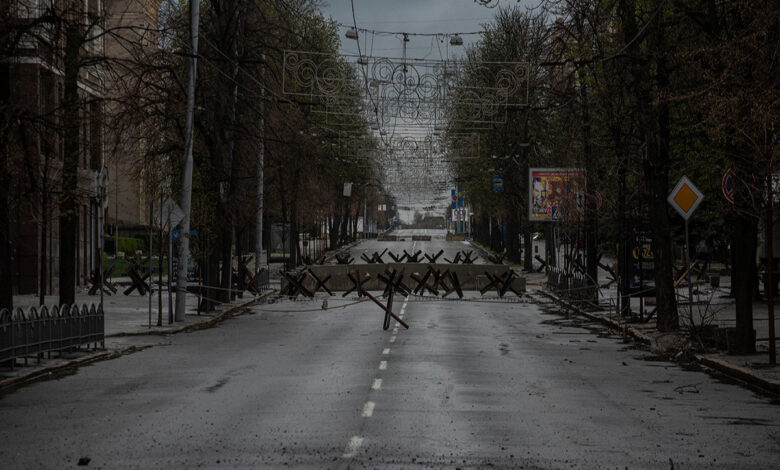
121	266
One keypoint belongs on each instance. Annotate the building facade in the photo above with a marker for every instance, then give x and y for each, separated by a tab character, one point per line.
33	67
135	24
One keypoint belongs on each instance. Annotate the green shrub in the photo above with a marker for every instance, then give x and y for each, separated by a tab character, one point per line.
130	245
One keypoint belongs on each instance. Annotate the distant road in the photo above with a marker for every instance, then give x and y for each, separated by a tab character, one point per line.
432	247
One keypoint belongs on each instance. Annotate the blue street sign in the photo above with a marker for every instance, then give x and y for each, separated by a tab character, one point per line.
498	183
453	204
460	202
193	232
175	233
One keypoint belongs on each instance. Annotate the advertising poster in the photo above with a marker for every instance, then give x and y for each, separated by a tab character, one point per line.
552	190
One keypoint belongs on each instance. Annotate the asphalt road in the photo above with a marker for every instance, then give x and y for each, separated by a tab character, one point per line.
451	249
469	385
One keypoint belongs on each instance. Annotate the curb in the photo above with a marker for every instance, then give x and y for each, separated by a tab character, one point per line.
644	339
742	374
78	362
107	355
208	322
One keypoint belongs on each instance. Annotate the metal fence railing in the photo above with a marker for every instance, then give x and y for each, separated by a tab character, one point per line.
263	278
575	287
29	334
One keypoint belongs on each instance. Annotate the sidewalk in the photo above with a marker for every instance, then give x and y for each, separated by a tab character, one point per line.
128	327
712	307
127	330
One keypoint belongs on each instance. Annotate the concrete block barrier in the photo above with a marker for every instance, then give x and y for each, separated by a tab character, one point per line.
471	276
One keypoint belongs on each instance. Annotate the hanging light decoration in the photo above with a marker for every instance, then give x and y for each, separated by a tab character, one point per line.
456	40
352	34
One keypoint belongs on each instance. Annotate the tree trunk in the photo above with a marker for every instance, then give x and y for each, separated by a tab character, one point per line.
656	172
334	222
69	219
239	236
6	278
654	128
591	218
43	275
525	223
163	248
226	261
744	244
344	224
624	250
212	279
658	163
230	205
355	222
513	245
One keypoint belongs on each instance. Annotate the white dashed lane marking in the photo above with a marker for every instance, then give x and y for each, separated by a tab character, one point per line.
368	409
356	442
352	447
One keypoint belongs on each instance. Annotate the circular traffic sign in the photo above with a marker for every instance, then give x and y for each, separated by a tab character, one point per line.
727	185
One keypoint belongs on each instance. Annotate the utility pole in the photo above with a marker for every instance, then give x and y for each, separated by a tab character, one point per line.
186	187
260	174
116	207
770	263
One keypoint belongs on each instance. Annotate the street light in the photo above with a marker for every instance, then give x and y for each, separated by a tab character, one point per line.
456	40
352	34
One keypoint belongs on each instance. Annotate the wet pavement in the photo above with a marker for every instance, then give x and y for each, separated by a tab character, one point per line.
432	247
472	384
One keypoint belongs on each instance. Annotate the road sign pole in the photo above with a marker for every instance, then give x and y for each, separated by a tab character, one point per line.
688	267
151	281
170	274
770	282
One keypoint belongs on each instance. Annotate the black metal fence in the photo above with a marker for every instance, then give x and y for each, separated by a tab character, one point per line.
25	335
574	287
262	279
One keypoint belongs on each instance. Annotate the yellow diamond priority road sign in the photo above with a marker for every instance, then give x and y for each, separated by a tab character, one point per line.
685	197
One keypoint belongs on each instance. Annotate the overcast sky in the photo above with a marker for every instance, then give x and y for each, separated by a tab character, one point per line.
412	16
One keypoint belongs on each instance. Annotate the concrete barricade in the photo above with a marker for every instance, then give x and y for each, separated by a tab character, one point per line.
471	276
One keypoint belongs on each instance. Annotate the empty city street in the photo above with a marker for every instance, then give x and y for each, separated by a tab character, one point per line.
472	384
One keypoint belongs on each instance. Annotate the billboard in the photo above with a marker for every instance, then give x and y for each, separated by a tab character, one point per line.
551	190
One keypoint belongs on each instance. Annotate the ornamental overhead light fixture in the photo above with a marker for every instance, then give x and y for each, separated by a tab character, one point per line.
362	60
456	40
352	34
